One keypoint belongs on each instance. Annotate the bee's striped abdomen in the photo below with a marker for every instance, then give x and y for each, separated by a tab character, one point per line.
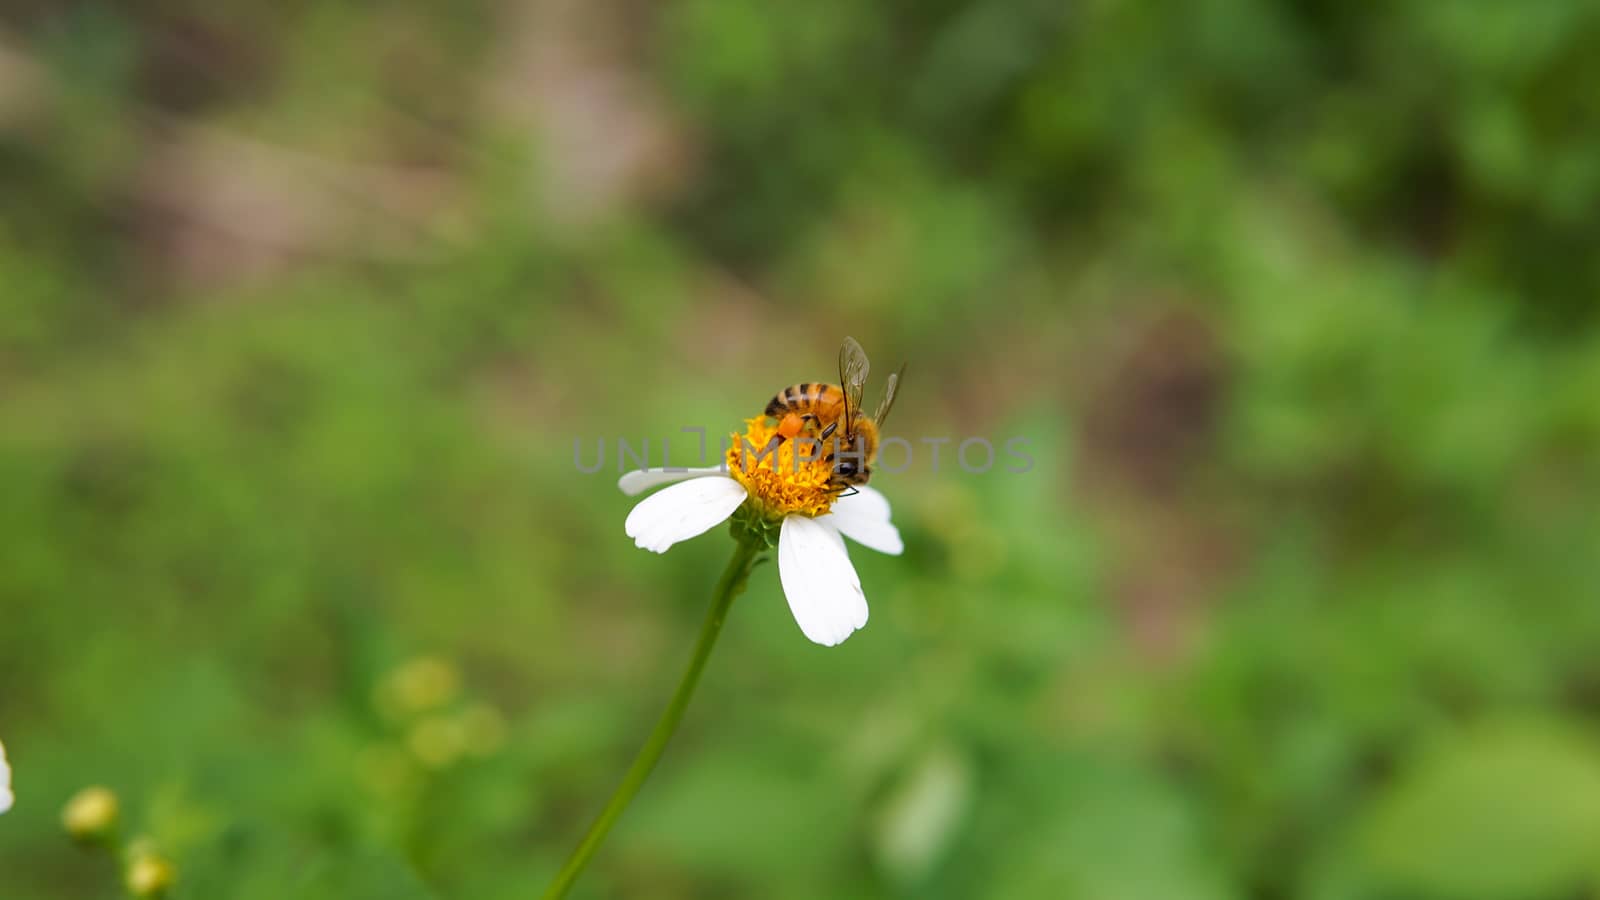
803	398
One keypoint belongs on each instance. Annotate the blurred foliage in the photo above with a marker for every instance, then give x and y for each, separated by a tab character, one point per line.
302	307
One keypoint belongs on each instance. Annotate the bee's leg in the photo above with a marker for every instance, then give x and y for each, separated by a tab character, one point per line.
828	432
851	492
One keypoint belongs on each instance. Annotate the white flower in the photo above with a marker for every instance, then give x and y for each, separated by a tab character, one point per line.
5	781
818	580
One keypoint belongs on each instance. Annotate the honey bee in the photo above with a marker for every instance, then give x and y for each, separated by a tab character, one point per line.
833	411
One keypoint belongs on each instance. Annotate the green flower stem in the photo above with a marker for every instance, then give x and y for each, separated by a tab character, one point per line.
730	586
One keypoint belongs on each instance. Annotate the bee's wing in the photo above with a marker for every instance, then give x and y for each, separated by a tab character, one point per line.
887	402
853	368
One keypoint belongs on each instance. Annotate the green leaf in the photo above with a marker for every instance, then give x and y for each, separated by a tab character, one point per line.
1513	812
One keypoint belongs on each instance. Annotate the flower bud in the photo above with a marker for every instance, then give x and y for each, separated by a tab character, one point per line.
420	685
91	814
149	874
437	742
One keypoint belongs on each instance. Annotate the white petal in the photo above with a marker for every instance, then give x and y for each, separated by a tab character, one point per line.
863	517
683	511
640	480
818	581
5	781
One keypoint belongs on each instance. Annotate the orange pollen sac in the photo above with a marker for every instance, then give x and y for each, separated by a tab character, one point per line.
782	476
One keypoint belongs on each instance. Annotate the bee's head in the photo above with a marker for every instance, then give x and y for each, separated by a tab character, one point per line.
850	462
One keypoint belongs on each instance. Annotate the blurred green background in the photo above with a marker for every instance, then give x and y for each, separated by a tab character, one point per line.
303	305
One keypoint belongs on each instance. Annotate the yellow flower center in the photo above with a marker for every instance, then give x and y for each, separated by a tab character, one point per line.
782	477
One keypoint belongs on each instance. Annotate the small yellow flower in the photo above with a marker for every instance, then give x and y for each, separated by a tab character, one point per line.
91	814
420	685
437	741
149	874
